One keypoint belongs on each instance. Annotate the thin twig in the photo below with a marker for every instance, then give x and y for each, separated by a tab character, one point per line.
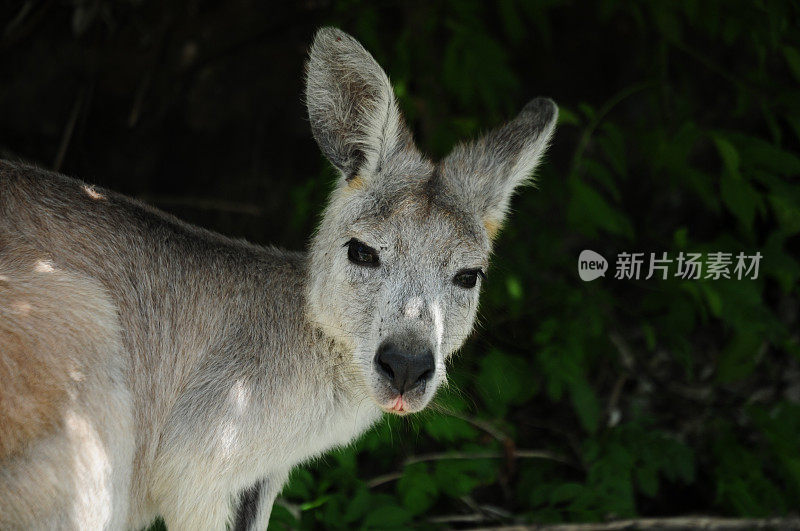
424	458
460	519
712	66
18	29
583	143
138	99
613	400
478	423
518	454
69	128
679	522
377	481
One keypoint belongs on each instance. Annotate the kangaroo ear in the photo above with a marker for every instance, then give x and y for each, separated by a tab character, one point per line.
486	171
351	105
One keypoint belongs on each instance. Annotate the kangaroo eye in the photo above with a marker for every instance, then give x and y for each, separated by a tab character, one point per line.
362	254
467	278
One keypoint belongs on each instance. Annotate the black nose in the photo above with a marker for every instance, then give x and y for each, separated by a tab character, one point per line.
405	368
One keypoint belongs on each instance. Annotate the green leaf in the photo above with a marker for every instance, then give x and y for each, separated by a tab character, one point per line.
387	517
567	116
417	488
358	505
612	142
280	518
514	287
757	153
504	380
586	405
778	263
647	480
792	57
681	238
300	485
454	477
667	23
512	22
565	492
590	211
739	196
587	110
728	153
313	504
445	428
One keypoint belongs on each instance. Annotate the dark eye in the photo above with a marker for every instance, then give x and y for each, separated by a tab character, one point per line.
362	254
467	278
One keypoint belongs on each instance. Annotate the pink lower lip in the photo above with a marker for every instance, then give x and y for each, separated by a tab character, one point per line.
398	405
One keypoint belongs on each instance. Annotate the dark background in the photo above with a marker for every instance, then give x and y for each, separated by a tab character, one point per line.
679	131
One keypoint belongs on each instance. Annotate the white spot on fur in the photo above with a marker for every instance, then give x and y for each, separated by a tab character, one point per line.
413	307
239	396
44	266
438	325
92	473
91	192
22	307
228	439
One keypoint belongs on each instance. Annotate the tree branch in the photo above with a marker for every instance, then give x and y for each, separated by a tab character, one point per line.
678	522
424	458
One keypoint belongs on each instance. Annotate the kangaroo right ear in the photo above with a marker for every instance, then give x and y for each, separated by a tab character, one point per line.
486	172
351	105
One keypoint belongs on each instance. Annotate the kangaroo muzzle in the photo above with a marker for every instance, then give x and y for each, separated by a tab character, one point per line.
405	367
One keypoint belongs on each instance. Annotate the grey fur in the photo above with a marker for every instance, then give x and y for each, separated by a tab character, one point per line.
217	365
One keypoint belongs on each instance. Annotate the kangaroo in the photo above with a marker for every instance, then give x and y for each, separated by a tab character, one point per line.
152	368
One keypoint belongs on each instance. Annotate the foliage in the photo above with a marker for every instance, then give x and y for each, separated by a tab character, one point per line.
645	397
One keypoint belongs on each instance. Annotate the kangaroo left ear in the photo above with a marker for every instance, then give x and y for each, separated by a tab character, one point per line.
353	111
487	171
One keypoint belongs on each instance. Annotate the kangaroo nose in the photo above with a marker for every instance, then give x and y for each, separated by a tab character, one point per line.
406	370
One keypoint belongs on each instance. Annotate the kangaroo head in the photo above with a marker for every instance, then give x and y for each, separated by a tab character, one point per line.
398	261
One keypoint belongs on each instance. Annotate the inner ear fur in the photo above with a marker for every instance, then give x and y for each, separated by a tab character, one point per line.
352	108
486	172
